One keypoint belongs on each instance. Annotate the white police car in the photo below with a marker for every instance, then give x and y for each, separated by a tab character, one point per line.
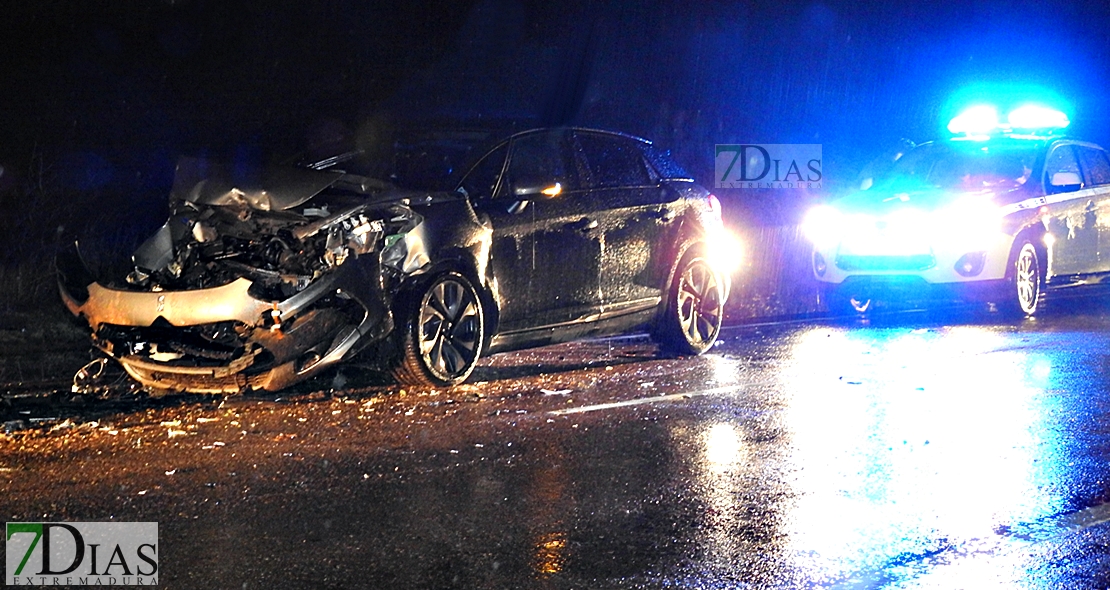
996	213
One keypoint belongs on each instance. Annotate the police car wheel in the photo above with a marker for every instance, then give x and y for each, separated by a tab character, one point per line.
1025	281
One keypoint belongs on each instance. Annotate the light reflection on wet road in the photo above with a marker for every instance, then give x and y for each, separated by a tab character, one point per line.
917	447
933	456
899	452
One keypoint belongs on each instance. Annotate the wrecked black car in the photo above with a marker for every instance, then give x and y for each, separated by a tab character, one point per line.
554	235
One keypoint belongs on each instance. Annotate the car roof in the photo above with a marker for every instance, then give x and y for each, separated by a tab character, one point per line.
1005	139
1009	140
582	130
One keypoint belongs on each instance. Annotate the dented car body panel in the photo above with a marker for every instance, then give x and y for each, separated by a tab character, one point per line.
258	285
258	282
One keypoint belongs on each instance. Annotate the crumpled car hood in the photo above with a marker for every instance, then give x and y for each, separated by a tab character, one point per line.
203	182
254	282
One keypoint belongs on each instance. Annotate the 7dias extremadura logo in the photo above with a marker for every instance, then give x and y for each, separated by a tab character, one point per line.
781	165
81	553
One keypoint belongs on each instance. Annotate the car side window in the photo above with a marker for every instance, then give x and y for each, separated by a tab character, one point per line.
540	159
481	182
662	166
614	161
1061	171
1095	165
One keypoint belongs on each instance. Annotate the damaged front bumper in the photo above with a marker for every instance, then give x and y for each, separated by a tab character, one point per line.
228	338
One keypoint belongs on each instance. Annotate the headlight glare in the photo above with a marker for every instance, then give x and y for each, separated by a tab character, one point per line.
726	252
970	223
823	225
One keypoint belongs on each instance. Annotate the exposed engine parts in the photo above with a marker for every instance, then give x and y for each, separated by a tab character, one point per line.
251	288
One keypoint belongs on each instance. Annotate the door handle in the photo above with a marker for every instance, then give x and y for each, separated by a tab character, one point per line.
583	225
663	214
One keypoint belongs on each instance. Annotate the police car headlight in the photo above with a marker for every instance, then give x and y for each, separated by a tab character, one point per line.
970	223
823	226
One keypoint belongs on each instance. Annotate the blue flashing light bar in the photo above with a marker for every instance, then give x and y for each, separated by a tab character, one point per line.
976	120
982	120
1033	116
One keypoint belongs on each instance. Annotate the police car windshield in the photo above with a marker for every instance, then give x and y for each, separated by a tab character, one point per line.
964	166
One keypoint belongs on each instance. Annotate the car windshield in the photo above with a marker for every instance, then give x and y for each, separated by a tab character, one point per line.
964	166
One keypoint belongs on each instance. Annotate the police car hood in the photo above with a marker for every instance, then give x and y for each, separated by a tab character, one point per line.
881	203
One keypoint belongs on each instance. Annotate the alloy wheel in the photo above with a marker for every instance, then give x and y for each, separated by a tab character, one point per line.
1027	278
699	303
450	329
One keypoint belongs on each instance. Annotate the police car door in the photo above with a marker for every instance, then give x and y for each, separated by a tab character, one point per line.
1096	176
1072	214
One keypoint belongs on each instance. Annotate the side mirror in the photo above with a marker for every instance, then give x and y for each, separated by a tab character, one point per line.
1065	181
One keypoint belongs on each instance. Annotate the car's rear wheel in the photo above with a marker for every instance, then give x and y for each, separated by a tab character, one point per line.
694	311
1024	292
441	338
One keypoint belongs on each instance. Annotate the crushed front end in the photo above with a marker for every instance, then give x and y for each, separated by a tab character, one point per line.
252	285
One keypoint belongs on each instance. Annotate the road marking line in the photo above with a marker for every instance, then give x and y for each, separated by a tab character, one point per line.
659	398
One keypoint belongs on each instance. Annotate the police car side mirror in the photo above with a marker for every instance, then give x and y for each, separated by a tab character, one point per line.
1065	181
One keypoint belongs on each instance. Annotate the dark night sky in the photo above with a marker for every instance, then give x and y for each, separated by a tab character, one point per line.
105	94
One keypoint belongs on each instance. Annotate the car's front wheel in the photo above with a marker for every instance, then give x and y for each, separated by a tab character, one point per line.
840	304
694	309
441	337
1024	292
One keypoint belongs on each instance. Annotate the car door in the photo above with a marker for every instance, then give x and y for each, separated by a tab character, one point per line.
545	254
633	213
511	246
1071	214
1095	164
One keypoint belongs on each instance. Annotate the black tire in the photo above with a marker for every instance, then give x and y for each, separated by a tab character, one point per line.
694	310
441	335
1023	295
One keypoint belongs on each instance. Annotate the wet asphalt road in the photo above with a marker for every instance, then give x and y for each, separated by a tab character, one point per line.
904	451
